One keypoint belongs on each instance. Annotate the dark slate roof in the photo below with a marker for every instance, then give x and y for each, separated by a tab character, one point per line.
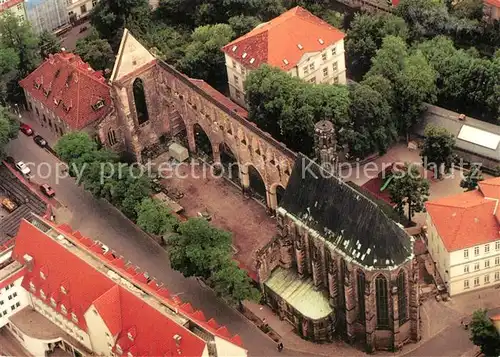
343	216
27	202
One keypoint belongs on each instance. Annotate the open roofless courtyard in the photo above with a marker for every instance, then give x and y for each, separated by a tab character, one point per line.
246	219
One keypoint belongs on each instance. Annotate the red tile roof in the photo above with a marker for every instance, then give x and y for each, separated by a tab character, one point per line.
121	310
495	3
464	220
8	4
221	98
490	188
277	42
73	89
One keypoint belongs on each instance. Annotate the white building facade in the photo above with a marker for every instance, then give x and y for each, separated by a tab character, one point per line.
297	42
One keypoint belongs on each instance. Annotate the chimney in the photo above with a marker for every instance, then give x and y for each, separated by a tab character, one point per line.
177	339
28	262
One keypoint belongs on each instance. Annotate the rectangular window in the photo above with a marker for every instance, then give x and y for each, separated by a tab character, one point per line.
18	304
10	297
336	80
83	9
486	263
334	51
4	312
466	284
13	307
20	6
487	248
325	72
14	295
497	275
335	66
94	3
311	66
487	279
466	253
238	94
312	80
497	261
497	245
476	281
476	251
323	56
236	80
476	266
306	70
466	268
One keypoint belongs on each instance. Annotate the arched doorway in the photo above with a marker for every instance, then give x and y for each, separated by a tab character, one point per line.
230	163
257	185
141	107
202	142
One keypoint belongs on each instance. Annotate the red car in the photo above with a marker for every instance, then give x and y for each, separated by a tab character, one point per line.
26	129
47	190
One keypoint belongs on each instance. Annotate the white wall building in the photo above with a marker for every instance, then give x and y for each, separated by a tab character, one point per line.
463	233
70	293
296	42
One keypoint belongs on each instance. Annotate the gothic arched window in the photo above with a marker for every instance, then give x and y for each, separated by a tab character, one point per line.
402	300
382	302
361	284
140	101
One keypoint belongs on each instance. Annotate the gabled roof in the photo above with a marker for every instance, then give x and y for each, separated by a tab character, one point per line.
283	41
343	216
495	3
69	88
109	307
490	188
465	220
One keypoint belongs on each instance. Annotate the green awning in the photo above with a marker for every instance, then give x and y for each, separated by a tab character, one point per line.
299	293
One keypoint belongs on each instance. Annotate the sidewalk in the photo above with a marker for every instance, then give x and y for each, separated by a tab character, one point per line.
293	342
38	129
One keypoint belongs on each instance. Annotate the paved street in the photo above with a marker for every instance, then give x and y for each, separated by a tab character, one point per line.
101	221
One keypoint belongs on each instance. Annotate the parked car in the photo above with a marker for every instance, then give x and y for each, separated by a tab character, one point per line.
26	129
40	141
21	166
8	205
47	190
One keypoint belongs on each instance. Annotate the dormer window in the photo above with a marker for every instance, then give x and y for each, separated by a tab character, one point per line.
63	309
119	349
32	286
53	302
57	102
42	275
46	92
66	107
130	337
37	85
98	105
42	294
74	318
63	290
129	354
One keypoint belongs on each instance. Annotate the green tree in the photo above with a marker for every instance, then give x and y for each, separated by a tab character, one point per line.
370	114
469	9
96	52
9	128
18	36
203	58
233	284
472	178
365	37
437	151
155	218
166	42
9	63
390	59
484	334
243	24
198	249
408	189
49	44
75	145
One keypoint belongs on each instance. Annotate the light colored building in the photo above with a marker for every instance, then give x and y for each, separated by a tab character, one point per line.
78	9
491	10
463	233
73	293
296	42
15	7
47	15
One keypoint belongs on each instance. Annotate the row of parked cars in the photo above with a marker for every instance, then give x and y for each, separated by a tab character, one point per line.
23	168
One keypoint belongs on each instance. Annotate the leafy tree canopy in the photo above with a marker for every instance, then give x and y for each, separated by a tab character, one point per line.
484	333
437	151
9	128
49	44
155	218
96	52
471	178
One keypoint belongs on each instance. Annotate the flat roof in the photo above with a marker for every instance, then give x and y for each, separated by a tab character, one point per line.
301	294
479	137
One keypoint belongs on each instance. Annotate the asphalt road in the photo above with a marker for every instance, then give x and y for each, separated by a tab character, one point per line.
99	220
